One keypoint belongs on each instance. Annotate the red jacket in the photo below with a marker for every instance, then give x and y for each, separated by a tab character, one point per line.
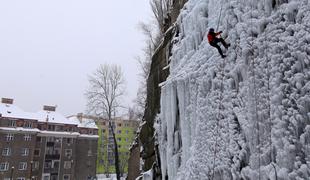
212	36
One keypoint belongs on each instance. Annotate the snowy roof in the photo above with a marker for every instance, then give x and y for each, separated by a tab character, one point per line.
54	117
60	134
17	129
88	136
84	122
12	111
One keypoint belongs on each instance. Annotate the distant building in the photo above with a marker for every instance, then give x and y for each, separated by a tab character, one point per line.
125	131
45	145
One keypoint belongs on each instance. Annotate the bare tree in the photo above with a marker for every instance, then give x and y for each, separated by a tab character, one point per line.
160	10
153	32
123	162
106	87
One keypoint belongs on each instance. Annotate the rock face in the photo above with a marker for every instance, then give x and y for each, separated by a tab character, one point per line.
134	161
158	74
245	116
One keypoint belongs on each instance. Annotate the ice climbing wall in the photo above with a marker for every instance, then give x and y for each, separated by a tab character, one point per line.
245	116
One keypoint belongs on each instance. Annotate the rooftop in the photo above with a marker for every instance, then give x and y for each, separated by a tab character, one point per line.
83	122
48	114
12	111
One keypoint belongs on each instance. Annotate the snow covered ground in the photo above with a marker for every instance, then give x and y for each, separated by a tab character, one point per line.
246	116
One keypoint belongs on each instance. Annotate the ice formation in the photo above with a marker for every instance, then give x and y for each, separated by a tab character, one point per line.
246	116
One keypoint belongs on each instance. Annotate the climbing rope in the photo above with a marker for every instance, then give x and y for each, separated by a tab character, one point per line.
220	103
255	93
269	100
218	118
268	89
218	21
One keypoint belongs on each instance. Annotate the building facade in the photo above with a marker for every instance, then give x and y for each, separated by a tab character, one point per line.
125	131
45	145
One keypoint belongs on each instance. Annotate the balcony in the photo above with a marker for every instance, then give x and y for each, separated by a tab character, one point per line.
52	156
50	144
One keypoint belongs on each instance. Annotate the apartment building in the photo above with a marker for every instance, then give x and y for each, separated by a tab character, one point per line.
45	145
125	131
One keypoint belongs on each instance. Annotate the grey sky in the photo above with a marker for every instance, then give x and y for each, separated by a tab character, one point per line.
48	47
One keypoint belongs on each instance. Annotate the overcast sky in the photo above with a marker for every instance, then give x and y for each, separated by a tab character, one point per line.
48	47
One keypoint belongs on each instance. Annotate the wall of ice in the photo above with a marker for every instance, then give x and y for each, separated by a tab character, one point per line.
245	116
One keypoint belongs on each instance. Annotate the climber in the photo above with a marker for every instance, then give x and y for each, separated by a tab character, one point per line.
213	40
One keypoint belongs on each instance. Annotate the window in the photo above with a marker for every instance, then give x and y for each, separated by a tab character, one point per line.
68	152
9	137
55	164
46	177
27	137
89	153
50	139
38	139
111	162
12	123
119	139
126	124
67	164
119	132
27	124
51	127
58	128
22	166
127	140
69	140
49	150
20	178
119	124
34	178
69	129
110	154
36	165
66	177
54	177
37	152
47	164
4	166
88	163
127	131
111	139
6	152
57	140
119	146
103	131
111	146
25	151
56	151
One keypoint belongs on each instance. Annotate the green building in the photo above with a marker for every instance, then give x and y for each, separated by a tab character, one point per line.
125	131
